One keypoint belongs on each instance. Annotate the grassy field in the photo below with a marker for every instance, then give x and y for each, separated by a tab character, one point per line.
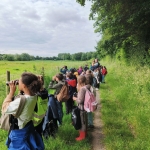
65	137
16	68
125	100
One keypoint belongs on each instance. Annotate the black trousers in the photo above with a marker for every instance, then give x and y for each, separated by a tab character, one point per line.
69	105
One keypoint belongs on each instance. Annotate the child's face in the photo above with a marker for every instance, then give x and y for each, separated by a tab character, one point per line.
21	85
56	79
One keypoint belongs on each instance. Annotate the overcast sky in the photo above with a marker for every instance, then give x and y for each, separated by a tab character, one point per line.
45	27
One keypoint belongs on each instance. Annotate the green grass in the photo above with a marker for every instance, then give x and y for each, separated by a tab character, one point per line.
126	107
16	68
65	138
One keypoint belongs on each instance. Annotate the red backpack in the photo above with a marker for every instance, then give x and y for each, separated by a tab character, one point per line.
90	103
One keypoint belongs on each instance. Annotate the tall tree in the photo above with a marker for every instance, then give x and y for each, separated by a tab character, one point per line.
124	25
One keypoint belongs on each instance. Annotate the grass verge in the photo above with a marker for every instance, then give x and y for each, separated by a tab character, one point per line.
126	107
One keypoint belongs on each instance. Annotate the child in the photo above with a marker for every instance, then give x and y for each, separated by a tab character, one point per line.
104	72
24	136
81	82
72	89
57	84
89	81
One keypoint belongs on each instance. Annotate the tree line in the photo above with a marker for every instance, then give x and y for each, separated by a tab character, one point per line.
61	56
125	28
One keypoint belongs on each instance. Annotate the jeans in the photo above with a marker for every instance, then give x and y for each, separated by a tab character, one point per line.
60	111
103	78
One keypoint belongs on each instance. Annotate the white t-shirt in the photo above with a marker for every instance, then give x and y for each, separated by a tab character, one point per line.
27	112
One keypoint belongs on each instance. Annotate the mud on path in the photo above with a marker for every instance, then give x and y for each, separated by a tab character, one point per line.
96	133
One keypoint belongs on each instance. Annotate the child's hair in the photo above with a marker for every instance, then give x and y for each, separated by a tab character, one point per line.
81	80
60	76
95	69
88	72
72	70
41	79
69	75
89	79
65	67
31	81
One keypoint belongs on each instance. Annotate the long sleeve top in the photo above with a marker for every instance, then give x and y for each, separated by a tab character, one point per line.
56	85
63	70
81	96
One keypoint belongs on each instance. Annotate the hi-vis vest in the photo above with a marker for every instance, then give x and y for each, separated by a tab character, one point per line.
42	105
41	111
51	91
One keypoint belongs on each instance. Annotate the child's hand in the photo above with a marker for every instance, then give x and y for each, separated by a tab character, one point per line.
54	78
74	98
12	87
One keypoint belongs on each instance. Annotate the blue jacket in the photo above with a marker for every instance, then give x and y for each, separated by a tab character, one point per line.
25	139
63	70
52	112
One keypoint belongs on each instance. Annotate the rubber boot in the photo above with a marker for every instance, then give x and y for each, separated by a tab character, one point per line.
81	136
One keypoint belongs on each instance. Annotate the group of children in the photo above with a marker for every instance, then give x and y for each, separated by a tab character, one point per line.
27	135
78	80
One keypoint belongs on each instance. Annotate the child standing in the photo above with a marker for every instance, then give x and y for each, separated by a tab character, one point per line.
104	72
81	82
23	136
89	82
57	84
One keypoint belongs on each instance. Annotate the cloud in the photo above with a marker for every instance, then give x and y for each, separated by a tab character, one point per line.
45	27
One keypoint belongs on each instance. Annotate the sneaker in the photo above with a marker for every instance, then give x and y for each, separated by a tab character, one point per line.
96	89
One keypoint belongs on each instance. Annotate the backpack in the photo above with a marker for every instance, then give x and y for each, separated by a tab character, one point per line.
72	90
49	130
50	126
90	103
8	121
63	95
75	118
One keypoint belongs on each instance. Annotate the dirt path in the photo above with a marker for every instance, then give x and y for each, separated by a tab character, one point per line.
97	135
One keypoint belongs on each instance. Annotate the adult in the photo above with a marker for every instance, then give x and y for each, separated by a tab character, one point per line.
92	65
96	63
24	135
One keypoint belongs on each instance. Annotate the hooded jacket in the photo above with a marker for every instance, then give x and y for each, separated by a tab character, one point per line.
56	85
